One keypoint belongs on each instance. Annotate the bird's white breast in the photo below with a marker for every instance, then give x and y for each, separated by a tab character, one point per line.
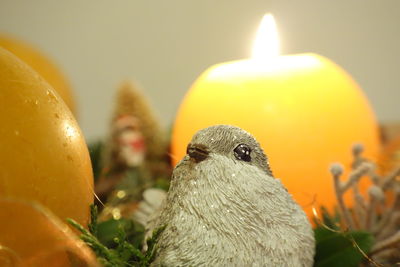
222	212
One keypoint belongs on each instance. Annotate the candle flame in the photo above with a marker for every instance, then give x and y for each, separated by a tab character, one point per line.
266	44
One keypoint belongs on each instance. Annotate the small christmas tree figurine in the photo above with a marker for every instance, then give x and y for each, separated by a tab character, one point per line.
135	154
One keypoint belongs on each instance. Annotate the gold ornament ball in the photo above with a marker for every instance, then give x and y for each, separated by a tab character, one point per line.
43	65
31	236
43	154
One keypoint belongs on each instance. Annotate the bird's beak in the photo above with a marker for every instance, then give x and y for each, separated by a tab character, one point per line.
197	152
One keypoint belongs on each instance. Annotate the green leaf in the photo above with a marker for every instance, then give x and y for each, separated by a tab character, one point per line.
339	249
108	230
151	246
109	257
95	152
162	183
93	220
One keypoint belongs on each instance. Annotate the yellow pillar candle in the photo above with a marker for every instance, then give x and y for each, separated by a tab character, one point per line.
304	109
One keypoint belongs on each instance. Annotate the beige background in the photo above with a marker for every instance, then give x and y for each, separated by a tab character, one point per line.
166	44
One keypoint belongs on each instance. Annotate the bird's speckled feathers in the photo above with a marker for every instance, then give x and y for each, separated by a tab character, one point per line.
227	210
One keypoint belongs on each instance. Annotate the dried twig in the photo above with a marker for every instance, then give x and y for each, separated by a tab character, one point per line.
386	244
337	171
360	207
375	213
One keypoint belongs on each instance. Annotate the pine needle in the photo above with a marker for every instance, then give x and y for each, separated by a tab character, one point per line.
124	253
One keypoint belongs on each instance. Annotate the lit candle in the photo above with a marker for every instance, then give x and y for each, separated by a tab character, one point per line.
305	111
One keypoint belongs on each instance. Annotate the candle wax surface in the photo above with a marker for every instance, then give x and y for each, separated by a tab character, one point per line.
305	111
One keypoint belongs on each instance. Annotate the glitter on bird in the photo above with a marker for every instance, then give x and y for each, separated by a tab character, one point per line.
224	201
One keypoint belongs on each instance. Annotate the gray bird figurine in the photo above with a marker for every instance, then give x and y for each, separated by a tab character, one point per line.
224	208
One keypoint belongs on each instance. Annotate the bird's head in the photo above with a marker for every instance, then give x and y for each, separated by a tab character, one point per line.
228	141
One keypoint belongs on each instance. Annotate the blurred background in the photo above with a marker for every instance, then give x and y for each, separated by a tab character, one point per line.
165	45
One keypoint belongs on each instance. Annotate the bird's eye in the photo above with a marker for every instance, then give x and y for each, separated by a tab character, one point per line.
242	152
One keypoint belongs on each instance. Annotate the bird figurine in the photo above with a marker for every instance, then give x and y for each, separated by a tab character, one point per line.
225	208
